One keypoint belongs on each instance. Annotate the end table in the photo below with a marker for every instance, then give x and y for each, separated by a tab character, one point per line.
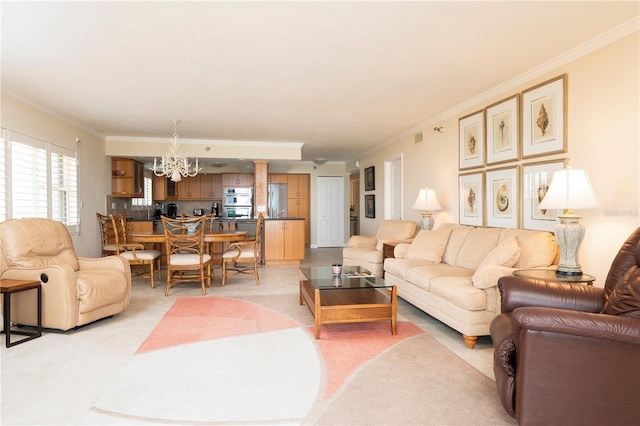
8	287
550	275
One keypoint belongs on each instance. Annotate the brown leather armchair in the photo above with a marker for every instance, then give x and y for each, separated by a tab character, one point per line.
569	354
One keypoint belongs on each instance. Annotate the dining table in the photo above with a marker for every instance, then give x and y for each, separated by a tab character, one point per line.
210	237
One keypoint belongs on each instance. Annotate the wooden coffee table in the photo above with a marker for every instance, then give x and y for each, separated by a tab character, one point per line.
341	299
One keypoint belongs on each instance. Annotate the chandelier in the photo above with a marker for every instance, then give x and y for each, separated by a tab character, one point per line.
175	165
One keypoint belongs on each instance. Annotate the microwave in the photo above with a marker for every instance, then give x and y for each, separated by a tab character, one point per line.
237	197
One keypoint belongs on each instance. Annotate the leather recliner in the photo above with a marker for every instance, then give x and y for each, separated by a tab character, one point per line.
77	290
569	354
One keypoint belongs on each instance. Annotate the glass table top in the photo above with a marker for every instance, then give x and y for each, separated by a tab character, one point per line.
322	277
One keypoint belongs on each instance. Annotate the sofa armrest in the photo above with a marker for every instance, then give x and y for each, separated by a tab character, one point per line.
361	240
613	328
487	276
60	278
400	250
108	262
519	292
391	241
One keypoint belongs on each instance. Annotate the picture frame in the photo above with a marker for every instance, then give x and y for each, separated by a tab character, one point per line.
369	179
544	118
502	124
502	197
471	140
370	206
536	178
471	199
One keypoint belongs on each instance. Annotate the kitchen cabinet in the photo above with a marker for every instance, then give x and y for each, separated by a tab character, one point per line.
127	178
278	178
283	241
164	188
237	179
298	185
298	201
138	226
211	186
189	188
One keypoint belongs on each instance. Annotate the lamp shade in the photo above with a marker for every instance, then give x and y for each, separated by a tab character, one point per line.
427	200
570	189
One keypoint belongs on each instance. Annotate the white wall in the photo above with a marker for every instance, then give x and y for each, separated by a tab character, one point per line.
603	138
95	167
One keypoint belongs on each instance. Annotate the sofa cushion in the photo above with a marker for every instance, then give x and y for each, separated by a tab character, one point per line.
458	234
537	248
399	266
506	253
625	298
487	276
429	245
460	292
421	276
478	243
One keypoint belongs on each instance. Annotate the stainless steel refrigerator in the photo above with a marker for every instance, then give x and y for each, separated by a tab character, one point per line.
278	200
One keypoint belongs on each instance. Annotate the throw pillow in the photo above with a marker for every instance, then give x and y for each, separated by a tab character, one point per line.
429	245
624	300
506	254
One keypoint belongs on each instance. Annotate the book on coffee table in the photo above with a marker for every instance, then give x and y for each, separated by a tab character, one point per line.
361	274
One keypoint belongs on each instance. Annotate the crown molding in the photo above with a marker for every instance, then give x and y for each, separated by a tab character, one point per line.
7	90
625	29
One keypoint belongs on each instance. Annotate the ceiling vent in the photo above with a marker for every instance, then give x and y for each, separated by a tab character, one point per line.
418	137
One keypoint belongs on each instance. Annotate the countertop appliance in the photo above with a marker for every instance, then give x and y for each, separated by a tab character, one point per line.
237	203
278	200
198	212
172	210
215	209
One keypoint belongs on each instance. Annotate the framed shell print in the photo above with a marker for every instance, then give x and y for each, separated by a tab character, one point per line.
503	130
536	178
502	197
544	118
471	194
471	140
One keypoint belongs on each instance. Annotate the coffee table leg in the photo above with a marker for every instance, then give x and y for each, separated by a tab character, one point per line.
394	310
318	312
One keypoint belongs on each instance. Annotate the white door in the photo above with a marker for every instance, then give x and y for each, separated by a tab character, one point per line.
330	208
393	188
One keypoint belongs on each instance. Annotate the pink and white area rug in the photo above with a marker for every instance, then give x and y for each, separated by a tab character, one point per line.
224	360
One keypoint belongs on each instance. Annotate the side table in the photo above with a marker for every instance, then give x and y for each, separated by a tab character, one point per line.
550	275
8	287
387	251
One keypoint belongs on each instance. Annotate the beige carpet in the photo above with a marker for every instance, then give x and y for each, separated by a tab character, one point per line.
254	360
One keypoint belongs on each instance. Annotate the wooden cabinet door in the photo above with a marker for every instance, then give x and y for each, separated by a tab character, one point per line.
159	185
304	181
274	240
189	188
294	240
278	178
210	187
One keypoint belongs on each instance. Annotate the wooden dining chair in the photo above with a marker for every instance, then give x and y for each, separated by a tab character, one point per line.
135	253
107	234
187	259
243	256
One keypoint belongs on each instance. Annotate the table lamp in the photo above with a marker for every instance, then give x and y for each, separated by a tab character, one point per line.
570	189
427	201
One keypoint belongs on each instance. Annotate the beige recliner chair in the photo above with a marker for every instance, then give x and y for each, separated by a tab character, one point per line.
367	251
77	290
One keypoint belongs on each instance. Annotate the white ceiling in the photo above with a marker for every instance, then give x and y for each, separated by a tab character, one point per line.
341	77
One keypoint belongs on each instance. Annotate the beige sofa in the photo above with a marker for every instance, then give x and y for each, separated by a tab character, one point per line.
366	251
452	273
77	290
